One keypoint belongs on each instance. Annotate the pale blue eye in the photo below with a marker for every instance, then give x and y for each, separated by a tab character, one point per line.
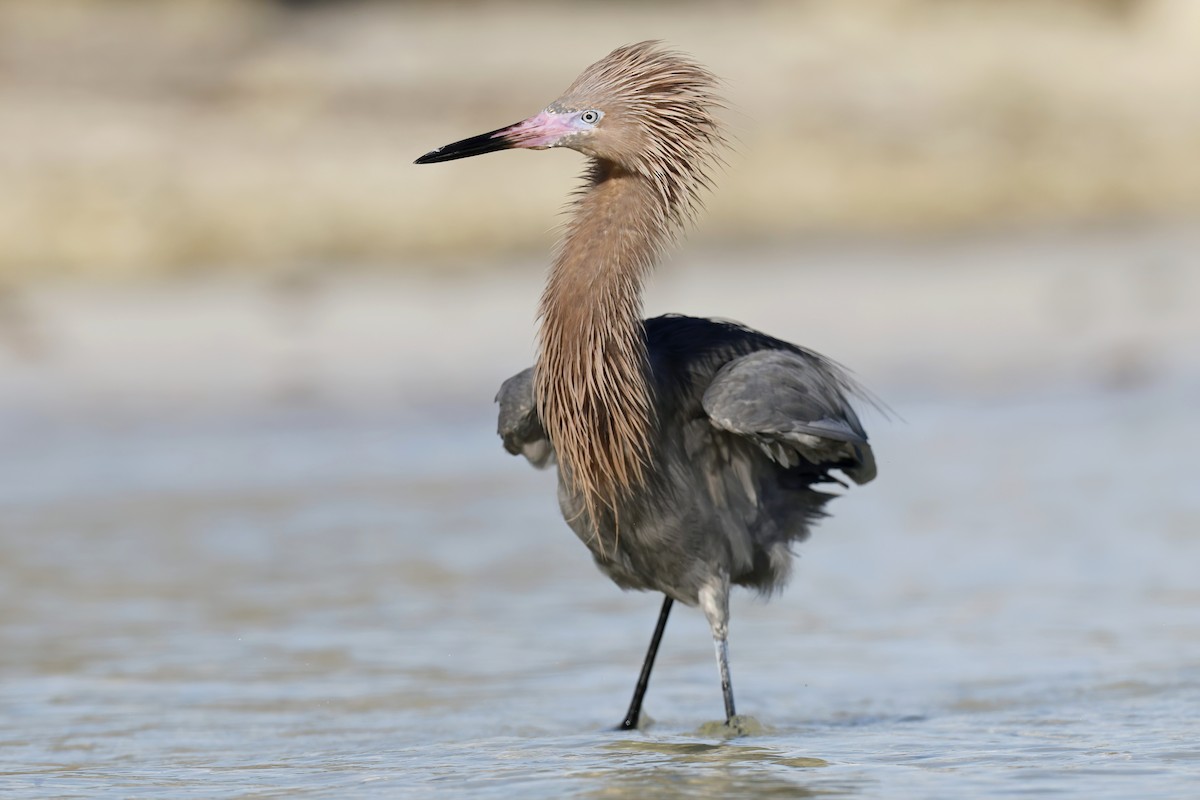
591	116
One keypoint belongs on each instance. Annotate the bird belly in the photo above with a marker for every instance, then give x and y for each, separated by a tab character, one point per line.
720	511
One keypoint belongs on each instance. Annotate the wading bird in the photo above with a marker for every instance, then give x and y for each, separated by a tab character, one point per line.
687	449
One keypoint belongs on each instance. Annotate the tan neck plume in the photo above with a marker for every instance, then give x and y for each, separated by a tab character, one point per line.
592	385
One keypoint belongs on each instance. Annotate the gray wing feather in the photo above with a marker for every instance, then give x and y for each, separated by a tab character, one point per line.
519	426
794	406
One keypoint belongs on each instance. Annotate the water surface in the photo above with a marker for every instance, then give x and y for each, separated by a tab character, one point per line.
332	605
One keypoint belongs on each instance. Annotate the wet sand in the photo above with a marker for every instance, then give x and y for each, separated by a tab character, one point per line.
987	316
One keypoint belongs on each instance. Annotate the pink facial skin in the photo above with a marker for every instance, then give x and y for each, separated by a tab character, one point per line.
539	131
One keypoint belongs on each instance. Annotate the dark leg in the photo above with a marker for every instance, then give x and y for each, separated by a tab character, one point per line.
639	691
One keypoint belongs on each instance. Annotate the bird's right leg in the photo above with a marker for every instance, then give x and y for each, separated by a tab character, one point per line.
714	600
639	691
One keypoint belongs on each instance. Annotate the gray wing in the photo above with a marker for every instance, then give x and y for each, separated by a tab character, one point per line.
794	406
519	426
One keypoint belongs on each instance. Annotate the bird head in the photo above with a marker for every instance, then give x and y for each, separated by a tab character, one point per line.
643	107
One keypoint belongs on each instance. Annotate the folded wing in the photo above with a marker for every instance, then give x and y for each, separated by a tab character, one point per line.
519	426
795	406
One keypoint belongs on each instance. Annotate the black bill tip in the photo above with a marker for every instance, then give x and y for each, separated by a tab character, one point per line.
475	146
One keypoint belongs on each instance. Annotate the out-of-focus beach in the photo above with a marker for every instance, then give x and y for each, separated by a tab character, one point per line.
212	204
989	316
150	139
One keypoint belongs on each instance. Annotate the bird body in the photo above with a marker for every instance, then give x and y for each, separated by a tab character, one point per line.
741	435
688	450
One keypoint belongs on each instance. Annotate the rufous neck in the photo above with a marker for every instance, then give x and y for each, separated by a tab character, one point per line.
592	387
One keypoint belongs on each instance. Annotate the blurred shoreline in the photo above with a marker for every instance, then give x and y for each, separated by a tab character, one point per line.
982	317
152	139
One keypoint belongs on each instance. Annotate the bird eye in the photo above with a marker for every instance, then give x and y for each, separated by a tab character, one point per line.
591	116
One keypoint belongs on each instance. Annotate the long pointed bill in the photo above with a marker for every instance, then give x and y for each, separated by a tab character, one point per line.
475	146
538	132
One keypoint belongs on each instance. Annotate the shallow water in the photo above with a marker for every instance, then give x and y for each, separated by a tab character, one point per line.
328	605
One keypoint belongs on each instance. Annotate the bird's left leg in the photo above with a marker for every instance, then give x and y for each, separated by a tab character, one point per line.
714	601
633	715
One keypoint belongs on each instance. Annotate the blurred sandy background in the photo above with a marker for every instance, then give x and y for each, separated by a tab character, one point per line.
207	202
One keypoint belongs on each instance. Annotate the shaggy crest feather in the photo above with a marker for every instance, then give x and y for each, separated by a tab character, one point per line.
652	160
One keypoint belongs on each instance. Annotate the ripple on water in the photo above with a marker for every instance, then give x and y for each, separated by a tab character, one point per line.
961	629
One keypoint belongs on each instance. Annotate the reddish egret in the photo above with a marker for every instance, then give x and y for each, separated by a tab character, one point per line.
688	450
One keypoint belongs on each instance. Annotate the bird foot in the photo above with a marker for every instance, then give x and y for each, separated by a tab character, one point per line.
643	722
734	727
